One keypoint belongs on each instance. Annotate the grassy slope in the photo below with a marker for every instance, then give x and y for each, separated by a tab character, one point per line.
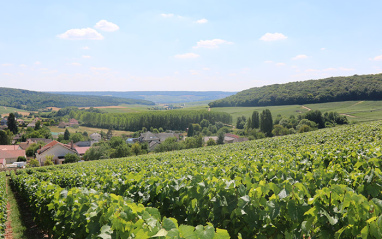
89	130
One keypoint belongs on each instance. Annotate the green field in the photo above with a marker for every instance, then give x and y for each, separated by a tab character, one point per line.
357	111
6	110
89	130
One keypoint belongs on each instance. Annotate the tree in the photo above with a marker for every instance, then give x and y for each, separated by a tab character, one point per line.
96	153
122	150
12	123
315	116
109	133
33	163
76	137
211	142
255	120
71	158
190	131
5	137
266	122
220	137
240	123
204	123
37	125
136	148
66	134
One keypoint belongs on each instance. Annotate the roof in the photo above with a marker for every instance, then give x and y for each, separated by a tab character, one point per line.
24	145
149	136
9	147
51	145
35	140
232	136
81	150
9	154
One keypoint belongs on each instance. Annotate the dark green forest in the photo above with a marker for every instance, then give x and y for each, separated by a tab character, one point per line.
33	100
168	120
357	87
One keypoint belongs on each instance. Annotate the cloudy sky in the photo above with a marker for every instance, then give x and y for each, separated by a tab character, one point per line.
93	45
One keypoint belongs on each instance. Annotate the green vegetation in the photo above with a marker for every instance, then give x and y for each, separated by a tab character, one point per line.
325	183
168	120
3	204
364	87
33	100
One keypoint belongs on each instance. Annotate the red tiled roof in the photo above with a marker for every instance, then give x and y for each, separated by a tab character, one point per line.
10	154
51	145
81	150
232	136
9	147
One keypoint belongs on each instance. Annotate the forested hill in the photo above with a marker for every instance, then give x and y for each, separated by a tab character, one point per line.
160	96
357	87
33	100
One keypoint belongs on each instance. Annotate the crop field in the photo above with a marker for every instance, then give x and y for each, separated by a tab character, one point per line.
3	204
321	184
357	111
89	130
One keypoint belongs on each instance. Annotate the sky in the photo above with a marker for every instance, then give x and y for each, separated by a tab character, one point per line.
169	45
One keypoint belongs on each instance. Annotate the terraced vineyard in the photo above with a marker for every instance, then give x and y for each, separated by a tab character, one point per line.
322	184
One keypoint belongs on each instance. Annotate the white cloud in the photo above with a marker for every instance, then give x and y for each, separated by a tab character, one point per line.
85	48
167	15
206	68
187	56
6	64
346	69
280	64
100	68
323	49
273	37
211	43
106	26
311	70
37	63
23	65
81	34
268	62
87	57
202	21
299	57
75	64
194	72
7	74
377	58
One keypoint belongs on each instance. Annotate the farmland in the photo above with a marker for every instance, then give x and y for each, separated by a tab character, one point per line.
326	183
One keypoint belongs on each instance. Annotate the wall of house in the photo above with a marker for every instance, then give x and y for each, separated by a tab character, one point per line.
57	151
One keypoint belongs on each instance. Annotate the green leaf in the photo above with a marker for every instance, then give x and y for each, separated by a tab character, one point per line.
187	232
169	223
205	233
221	234
105	232
365	232
161	233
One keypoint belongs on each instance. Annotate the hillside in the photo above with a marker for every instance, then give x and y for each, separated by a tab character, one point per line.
33	100
357	87
160	96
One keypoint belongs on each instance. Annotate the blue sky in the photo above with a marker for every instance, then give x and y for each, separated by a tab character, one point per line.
146	45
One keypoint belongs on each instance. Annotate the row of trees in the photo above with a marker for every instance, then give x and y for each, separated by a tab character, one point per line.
364	87
168	120
263	125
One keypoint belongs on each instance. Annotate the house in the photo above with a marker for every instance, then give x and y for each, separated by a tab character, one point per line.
25	145
4	121
84	143
73	122
20	121
2	163
155	139
81	150
57	150
33	123
228	138
10	153
131	140
95	137
63	125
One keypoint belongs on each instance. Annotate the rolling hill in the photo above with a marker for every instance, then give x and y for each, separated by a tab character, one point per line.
159	96
33	100
351	88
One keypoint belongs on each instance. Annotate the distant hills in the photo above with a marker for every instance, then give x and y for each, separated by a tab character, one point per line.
357	87
33	100
159	96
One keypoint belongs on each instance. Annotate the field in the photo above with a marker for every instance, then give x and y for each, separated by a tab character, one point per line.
4	111
357	111
321	184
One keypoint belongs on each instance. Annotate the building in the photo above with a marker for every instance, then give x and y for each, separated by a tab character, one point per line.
228	138
95	137
57	150
155	139
10	153
4	121
73	122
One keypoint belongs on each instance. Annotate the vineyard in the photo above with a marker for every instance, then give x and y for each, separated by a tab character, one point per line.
3	204
322	184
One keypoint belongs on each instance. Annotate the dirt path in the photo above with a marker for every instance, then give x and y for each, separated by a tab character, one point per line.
309	109
351	116
24	226
358	103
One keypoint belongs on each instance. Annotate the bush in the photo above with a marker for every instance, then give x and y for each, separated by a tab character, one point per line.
33	163
48	160
21	159
211	142
71	158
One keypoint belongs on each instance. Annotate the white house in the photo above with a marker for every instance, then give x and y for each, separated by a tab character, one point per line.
57	150
95	137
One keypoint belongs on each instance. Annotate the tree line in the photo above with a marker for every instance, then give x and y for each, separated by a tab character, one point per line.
33	100
357	87
168	120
